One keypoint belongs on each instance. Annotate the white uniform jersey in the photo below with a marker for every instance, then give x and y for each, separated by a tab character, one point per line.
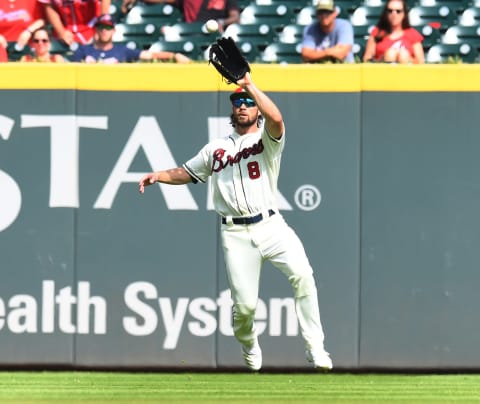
244	171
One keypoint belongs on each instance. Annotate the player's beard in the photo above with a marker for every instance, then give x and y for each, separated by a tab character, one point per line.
244	123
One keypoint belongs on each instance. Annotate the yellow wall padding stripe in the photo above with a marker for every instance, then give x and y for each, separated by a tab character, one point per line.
202	77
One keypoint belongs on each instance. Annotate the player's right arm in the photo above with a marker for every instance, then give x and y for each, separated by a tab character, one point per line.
273	117
173	176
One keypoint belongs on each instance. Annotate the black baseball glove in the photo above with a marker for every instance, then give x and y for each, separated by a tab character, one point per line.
228	60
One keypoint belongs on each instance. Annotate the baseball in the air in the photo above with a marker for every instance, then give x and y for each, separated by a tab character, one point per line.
211	26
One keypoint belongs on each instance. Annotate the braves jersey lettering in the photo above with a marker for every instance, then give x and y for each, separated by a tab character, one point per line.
219	165
244	172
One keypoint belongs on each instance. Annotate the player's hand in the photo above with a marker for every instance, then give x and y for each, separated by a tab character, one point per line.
245	81
147	179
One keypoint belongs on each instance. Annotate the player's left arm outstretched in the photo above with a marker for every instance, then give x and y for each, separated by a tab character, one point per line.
273	117
173	176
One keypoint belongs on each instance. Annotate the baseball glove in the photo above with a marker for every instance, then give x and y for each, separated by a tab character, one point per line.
228	60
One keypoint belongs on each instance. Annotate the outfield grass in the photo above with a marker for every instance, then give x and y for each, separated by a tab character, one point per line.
143	388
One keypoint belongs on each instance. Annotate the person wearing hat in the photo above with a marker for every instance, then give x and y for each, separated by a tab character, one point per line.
329	39
243	169
104	50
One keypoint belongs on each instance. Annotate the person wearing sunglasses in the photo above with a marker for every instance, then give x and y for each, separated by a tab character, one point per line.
40	44
329	39
243	169
104	50
393	40
18	20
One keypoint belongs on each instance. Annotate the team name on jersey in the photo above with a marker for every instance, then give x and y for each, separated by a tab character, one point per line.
219	154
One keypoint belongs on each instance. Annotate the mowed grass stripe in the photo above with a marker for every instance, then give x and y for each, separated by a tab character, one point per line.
232	388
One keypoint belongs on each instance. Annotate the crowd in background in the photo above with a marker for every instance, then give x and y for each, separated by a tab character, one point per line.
86	27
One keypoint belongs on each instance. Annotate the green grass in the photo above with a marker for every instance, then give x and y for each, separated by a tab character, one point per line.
233	388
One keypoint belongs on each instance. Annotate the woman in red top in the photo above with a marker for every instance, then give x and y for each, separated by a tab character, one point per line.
41	48
393	39
18	19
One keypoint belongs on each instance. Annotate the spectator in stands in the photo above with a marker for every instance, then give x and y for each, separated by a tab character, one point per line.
18	19
103	50
329	39
225	12
40	44
73	20
393	40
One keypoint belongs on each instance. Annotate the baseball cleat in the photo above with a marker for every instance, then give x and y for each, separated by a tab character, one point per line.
320	359
252	356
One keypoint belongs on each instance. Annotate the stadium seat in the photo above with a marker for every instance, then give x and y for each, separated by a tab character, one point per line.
462	34
259	34
358	49
153	13
431	36
61	48
455	5
295	5
469	17
186	47
451	53
275	15
360	36
14	53
249	49
366	15
116	10
439	17
282	53
141	34
292	33
307	14
193	31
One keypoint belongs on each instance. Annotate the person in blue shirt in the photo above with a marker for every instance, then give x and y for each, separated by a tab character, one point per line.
103	50
329	39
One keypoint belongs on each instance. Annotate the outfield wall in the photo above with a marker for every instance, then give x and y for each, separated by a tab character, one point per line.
379	179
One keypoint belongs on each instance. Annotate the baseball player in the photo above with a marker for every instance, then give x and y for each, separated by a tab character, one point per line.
244	169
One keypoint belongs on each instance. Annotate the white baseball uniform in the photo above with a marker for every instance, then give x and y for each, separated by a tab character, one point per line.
244	171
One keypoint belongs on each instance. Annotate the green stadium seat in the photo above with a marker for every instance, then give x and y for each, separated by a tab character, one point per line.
282	53
305	16
295	5
456	6
116	10
439	17
366	15
452	53
275	15
259	34
153	13
14	53
292	33
463	34
187	47
249	49
431	36
360	36
470	17
141	34
193	31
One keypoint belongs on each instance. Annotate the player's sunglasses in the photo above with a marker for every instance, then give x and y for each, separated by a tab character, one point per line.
395	10
247	101
105	27
40	40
